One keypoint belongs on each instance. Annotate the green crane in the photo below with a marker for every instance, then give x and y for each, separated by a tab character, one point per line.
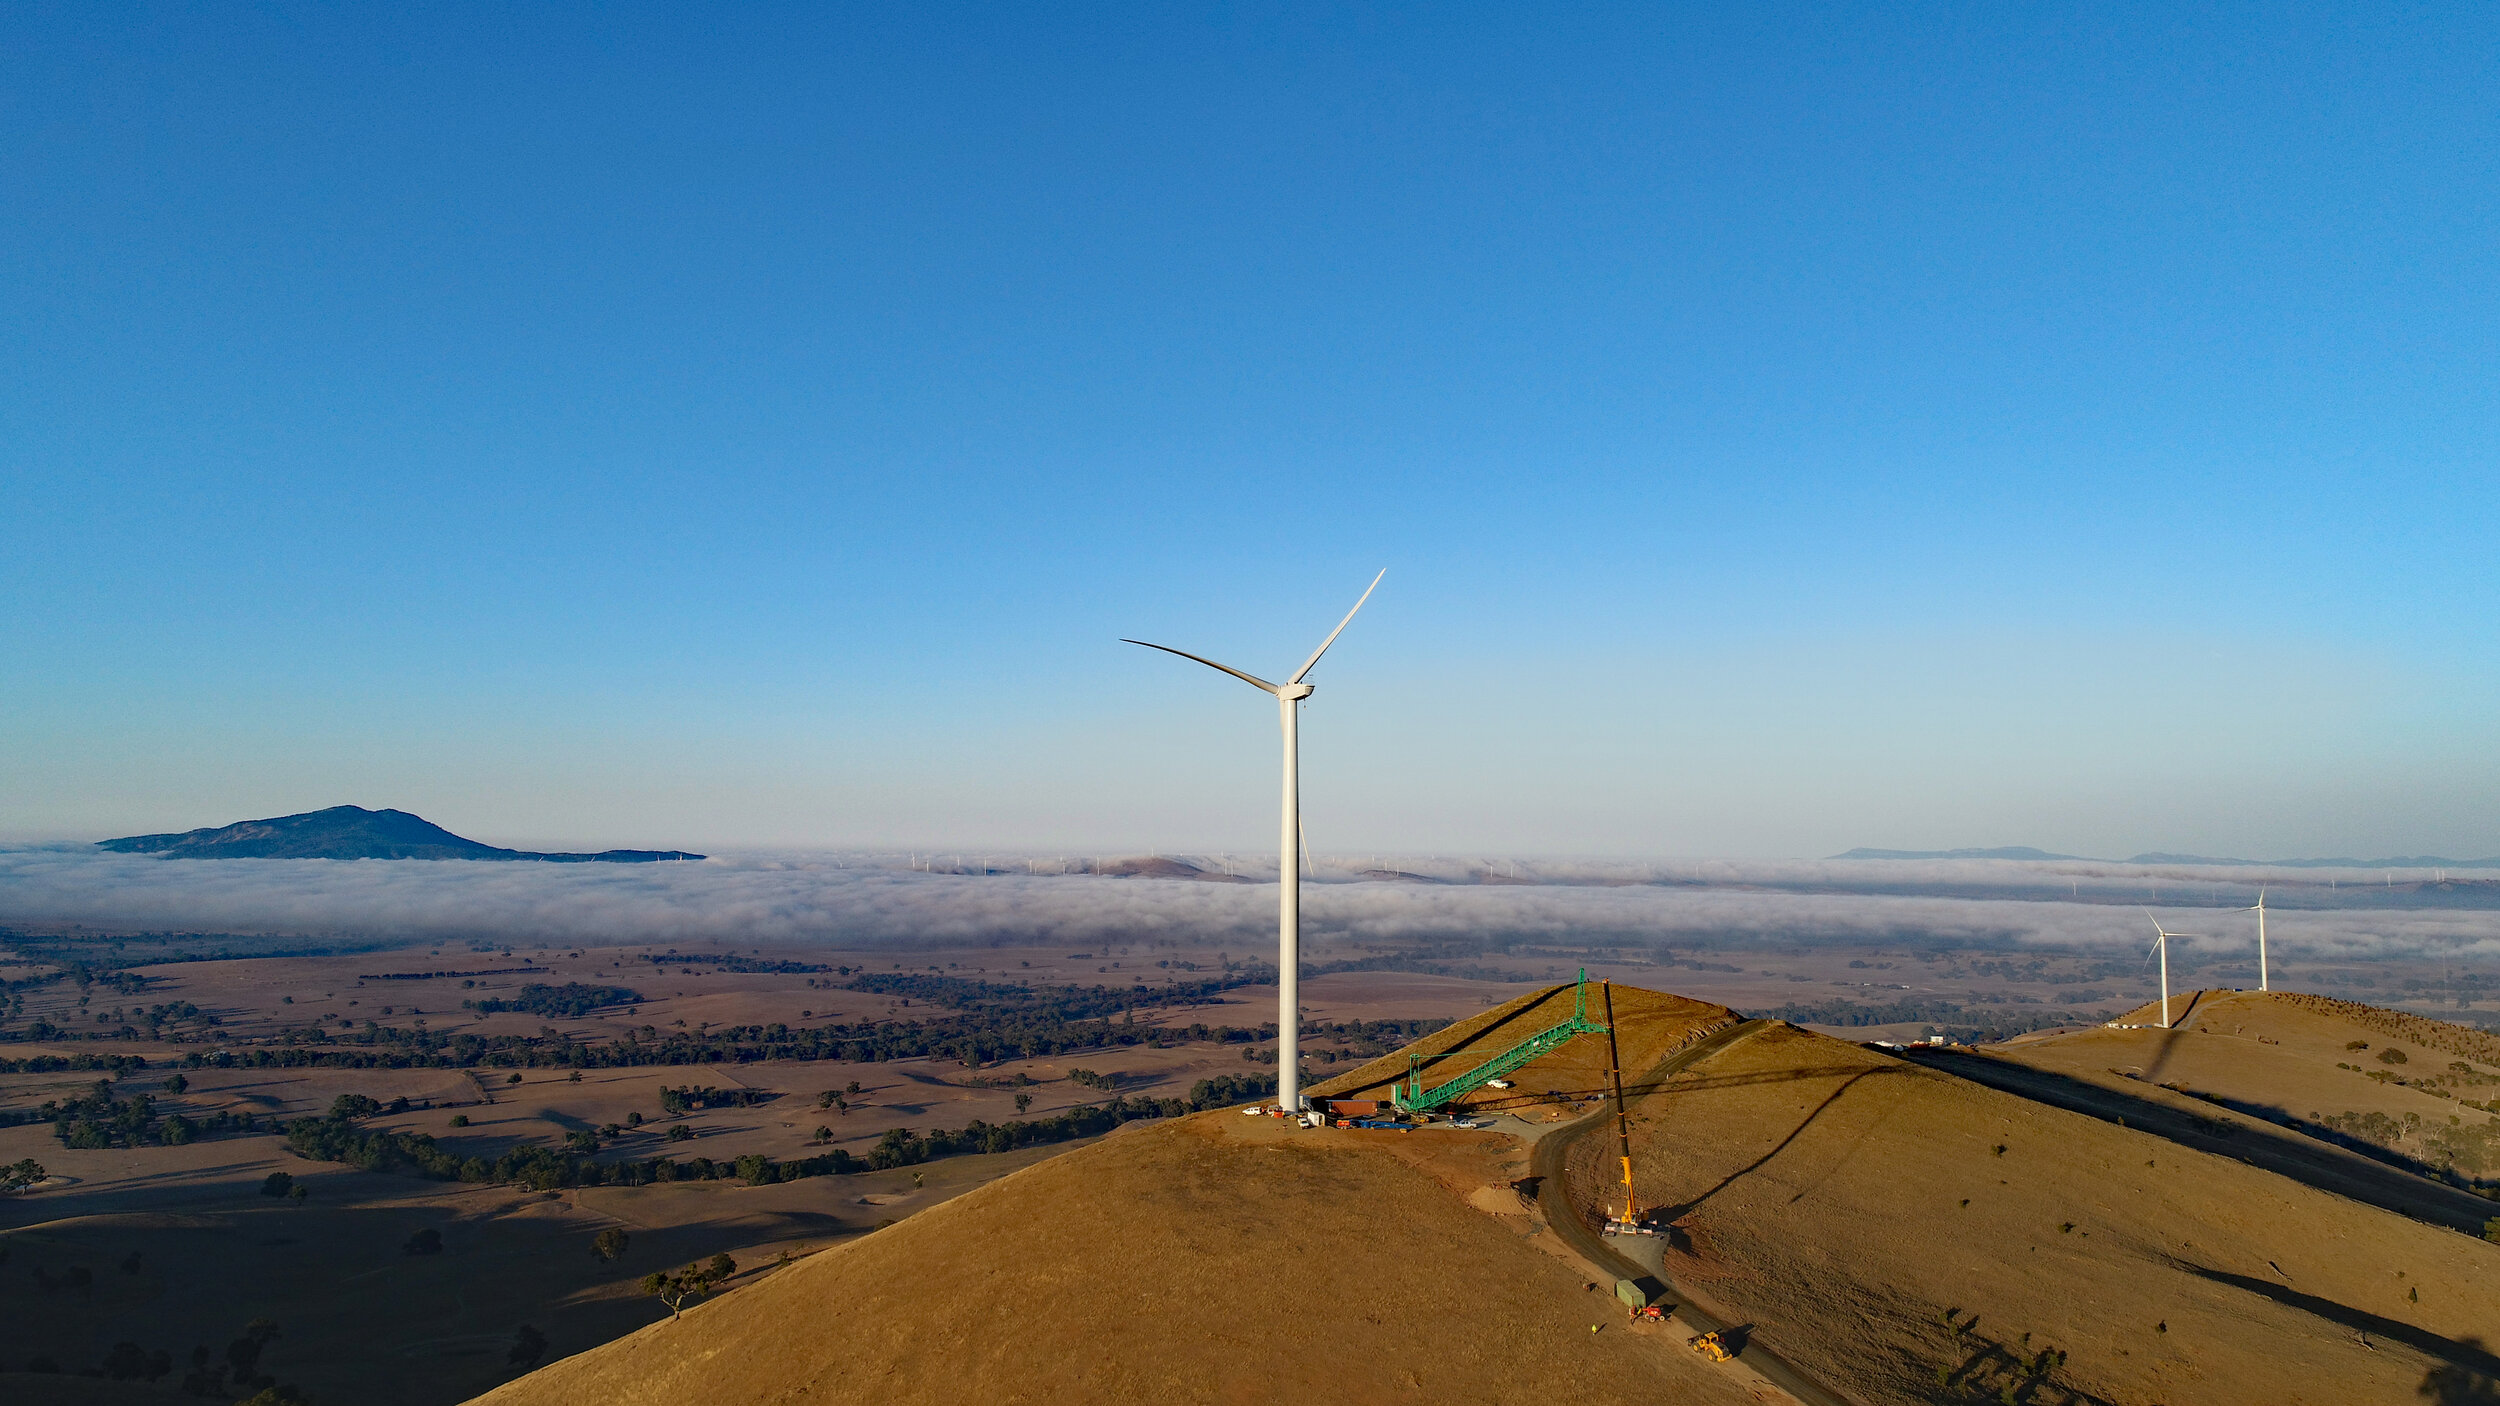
1411	1096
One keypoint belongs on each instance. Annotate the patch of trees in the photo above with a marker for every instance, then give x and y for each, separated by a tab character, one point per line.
732	963
546	1169
975	1039
241	1369
116	1065
99	1119
1229	1090
429	976
694	1096
572	1000
1064	1003
21	1175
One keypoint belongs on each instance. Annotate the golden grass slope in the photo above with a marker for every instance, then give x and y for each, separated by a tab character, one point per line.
1845	1201
2424	1094
1213	1259
1649	1026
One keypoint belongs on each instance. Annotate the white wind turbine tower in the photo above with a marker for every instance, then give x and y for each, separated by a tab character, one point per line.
2260	910
2161	942
1289	696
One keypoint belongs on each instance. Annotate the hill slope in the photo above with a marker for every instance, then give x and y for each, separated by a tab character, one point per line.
1846	1200
1214	1259
351	832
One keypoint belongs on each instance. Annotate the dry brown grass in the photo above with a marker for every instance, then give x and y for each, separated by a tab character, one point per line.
1217	1259
1844	1200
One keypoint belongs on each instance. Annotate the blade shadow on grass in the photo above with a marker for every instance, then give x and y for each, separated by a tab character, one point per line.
2265	1143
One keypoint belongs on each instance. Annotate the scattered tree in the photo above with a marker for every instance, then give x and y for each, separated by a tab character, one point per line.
609	1244
347	1107
21	1175
276	1184
688	1284
528	1345
177	1084
2392	1055
243	1354
1023	1102
300	1195
428	1241
126	1362
460	1120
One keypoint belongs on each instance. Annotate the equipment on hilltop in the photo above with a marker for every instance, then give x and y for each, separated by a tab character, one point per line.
1629	1223
1289	696
1412	1097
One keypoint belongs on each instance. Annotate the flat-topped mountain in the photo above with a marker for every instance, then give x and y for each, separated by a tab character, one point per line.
352	832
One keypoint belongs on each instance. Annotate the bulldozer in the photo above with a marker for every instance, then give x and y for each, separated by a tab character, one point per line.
1712	1346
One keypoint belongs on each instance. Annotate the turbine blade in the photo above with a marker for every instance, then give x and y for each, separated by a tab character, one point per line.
1251	679
1332	634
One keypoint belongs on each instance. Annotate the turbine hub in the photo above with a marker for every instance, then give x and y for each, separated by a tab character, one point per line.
1295	691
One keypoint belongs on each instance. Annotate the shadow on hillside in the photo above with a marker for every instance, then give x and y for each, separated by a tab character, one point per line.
2284	1150
1678	1212
2467	1357
2459	1386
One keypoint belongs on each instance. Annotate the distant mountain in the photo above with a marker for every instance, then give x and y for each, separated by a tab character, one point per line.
2419	861
2159	857
352	832
2006	852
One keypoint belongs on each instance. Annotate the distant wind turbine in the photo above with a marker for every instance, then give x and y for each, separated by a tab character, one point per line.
1289	696
2161	942
2260	910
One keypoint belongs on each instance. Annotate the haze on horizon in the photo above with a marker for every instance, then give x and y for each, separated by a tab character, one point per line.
1785	431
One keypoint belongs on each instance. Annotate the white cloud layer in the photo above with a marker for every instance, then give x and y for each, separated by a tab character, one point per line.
871	900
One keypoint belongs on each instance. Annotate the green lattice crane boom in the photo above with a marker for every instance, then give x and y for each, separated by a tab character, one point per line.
1411	1096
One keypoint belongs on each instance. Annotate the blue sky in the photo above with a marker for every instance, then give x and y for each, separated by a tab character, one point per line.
1784	430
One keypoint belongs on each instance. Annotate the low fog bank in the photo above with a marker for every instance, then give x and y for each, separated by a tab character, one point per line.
897	900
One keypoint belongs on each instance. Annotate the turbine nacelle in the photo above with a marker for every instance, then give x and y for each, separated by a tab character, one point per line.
1295	692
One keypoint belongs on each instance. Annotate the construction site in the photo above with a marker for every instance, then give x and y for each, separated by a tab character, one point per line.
1626	1195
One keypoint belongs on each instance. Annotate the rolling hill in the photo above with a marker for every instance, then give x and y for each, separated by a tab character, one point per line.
1873	1230
351	832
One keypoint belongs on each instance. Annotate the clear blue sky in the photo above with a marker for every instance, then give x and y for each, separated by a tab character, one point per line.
1785	429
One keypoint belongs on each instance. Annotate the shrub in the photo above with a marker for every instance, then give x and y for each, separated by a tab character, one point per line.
428	1241
460	1120
2392	1055
276	1184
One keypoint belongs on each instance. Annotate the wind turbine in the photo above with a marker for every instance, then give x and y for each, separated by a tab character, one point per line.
1289	696
2260	911
2161	942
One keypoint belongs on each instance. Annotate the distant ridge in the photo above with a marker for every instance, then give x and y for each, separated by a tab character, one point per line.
352	832
2419	861
2006	852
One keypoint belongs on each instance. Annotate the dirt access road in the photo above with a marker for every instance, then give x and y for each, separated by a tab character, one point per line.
1546	1161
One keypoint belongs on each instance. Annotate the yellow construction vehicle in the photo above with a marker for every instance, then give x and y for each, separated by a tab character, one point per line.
1712	1346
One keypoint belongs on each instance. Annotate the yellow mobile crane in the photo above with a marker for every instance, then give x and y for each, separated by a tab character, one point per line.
1629	1223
